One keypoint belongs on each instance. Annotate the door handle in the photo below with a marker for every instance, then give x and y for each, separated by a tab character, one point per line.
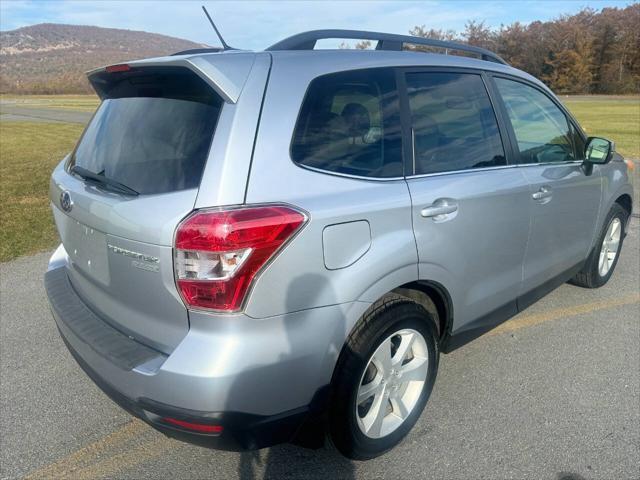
542	194
439	209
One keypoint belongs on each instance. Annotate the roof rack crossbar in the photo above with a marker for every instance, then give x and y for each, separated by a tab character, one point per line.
386	41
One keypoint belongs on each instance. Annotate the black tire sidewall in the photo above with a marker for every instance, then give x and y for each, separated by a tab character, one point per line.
345	432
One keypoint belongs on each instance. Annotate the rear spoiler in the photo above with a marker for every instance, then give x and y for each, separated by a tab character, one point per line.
226	73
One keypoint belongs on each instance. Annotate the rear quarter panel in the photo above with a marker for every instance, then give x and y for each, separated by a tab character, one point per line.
298	278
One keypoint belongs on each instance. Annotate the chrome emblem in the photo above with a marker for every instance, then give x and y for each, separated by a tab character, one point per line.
65	201
132	254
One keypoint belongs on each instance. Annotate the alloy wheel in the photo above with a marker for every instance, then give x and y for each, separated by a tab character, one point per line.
392	383
610	247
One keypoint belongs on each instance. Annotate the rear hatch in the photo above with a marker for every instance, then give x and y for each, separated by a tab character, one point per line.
120	194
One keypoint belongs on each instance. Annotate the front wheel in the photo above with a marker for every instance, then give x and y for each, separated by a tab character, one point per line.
603	259
383	379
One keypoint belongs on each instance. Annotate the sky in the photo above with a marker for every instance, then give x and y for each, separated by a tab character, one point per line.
258	24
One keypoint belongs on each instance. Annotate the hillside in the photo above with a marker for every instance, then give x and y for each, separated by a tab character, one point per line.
52	58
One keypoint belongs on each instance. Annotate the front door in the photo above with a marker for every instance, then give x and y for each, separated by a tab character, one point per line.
564	200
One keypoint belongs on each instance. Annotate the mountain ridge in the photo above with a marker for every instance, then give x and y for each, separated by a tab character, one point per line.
53	58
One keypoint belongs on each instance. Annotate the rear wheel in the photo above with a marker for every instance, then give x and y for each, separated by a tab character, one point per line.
603	259
383	379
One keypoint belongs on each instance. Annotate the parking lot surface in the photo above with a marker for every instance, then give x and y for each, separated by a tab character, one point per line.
554	393
17	113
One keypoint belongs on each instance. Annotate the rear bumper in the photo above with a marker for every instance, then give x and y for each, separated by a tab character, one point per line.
241	431
261	384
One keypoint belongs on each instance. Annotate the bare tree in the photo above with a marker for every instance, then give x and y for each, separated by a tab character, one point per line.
363	45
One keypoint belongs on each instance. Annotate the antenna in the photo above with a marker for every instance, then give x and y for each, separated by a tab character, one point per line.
224	44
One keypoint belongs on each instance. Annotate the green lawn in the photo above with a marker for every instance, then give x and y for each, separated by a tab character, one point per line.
615	118
29	151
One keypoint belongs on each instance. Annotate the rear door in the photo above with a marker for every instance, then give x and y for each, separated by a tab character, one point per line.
470	205
151	134
564	200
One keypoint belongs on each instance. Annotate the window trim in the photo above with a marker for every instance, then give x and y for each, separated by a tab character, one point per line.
571	121
392	75
347	175
405	114
458	172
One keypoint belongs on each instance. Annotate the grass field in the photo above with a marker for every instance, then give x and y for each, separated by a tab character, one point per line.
29	151
616	118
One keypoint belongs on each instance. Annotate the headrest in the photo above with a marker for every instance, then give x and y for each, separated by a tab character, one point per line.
356	116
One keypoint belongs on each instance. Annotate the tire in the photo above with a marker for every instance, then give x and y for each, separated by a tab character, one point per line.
378	330
592	274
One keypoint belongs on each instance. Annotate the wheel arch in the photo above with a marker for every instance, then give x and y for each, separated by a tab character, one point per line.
625	202
435	299
432	295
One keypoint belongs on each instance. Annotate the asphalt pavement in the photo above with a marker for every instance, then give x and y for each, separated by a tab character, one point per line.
10	112
552	394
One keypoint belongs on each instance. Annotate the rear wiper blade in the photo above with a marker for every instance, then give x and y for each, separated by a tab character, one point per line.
95	177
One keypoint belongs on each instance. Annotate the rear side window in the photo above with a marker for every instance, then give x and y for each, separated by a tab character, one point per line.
152	131
349	123
543	133
453	123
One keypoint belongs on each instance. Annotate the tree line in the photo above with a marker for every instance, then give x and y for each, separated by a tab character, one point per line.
590	52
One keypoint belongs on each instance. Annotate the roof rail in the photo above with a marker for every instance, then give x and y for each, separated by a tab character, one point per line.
386	41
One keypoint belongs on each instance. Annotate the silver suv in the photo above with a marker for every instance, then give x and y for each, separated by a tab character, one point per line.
263	247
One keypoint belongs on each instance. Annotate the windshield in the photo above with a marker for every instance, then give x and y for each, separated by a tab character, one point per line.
150	139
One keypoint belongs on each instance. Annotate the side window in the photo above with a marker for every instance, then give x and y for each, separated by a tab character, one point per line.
350	123
542	130
454	125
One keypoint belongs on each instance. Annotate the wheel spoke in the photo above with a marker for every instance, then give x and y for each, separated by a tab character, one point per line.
374	417
372	388
382	357
416	369
399	408
601	261
614	229
406	342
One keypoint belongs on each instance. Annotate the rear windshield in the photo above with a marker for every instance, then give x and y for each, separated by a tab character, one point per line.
152	131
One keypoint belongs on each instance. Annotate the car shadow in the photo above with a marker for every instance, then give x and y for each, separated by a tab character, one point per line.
569	476
290	461
287	460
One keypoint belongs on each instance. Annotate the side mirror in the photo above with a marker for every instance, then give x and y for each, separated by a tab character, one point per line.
598	151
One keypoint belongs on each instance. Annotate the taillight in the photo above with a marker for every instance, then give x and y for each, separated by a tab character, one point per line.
218	253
